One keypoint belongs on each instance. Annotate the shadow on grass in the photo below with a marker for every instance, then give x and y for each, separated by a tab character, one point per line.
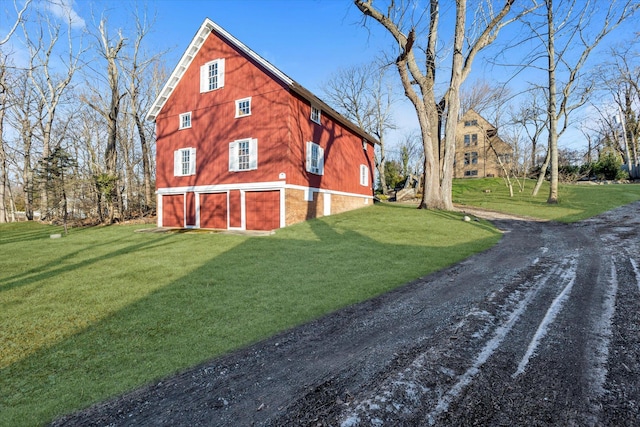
62	265
228	302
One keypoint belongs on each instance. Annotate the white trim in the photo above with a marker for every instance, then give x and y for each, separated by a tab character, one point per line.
182	116
283	207
159	210
238	101
364	175
319	110
221	188
192	50
326	191
253	186
326	208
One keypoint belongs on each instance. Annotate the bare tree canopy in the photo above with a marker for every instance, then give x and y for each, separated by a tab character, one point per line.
418	33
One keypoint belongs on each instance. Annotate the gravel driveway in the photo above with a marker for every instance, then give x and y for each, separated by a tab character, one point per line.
542	329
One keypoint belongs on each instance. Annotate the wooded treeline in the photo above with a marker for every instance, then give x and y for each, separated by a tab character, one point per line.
73	97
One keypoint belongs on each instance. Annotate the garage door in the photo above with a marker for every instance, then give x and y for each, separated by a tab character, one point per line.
263	210
173	210
213	210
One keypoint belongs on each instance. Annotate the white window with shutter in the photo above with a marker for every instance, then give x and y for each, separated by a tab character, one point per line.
315	158
184	162
364	175
243	155
212	75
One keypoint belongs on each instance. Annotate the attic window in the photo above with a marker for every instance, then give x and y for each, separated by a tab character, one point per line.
212	75
315	114
185	120
470	123
243	107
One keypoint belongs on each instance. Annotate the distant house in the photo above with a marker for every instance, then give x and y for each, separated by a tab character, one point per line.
240	145
479	149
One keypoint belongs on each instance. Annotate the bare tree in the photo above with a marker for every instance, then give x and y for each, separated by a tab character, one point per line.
19	19
109	108
50	85
619	78
568	27
487	99
404	22
3	154
136	70
363	96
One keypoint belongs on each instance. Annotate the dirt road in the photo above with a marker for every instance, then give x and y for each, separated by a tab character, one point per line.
543	329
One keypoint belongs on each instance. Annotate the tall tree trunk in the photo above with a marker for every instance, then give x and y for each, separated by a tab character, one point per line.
3	171
552	108
543	173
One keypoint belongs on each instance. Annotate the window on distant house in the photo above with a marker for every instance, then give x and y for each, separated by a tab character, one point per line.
504	158
212	75
243	155
471	158
364	175
470	139
471	173
470	123
315	158
315	114
184	162
185	120
243	107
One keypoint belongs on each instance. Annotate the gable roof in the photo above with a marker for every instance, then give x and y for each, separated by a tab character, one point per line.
209	26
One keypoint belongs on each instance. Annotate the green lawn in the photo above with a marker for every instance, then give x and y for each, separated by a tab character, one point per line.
103	310
576	201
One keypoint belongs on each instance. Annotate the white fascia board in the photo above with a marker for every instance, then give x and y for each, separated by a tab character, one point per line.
221	188
192	50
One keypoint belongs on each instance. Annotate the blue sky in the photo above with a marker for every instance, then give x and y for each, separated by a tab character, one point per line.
309	40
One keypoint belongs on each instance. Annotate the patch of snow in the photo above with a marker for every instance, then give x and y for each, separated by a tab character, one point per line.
635	271
604	329
552	312
350	421
490	347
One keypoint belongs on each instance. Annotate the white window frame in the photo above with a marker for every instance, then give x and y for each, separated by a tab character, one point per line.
316	114
314	158
239	107
364	175
184	117
210	82
235	161
182	168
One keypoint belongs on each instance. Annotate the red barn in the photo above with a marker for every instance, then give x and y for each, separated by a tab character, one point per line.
240	145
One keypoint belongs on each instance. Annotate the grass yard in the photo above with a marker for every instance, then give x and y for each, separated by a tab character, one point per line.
576	201
106	309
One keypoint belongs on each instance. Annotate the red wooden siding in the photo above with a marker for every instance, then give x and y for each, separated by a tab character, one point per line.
343	152
235	209
214	125
173	210
213	210
262	210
